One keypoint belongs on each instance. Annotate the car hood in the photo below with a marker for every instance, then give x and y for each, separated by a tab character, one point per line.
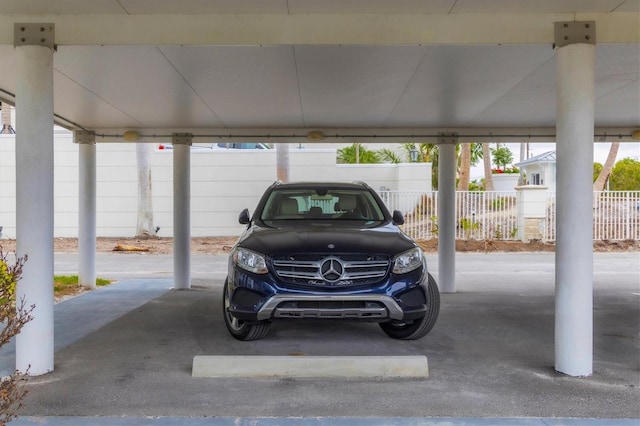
385	240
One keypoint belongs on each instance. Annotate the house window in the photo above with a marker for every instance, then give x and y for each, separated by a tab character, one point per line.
535	179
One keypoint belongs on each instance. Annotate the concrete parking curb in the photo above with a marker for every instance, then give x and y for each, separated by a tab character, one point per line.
311	366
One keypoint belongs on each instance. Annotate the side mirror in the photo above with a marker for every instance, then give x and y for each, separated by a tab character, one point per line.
398	218
244	218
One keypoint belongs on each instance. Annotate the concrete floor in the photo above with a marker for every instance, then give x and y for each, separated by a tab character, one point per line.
490	355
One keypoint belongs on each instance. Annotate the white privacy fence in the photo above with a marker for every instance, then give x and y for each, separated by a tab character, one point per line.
494	215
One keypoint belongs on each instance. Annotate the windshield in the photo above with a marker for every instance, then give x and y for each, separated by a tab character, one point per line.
321	204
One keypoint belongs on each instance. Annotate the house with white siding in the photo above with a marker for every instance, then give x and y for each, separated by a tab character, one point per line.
540	170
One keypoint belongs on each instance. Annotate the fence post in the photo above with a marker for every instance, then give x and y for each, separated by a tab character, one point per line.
531	207
484	215
627	205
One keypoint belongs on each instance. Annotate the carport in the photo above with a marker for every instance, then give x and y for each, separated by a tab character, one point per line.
445	71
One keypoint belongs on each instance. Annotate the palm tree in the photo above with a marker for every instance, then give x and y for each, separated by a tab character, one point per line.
387	155
464	170
486	159
599	184
470	155
476	153
282	162
357	153
432	154
427	153
145	225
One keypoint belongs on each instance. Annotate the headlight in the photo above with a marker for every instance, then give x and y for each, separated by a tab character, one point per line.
407	261
250	261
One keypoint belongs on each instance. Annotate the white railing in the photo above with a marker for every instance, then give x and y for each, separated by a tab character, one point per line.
550	219
479	215
420	211
616	215
493	215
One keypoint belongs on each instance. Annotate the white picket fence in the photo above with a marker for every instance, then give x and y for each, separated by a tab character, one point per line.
493	215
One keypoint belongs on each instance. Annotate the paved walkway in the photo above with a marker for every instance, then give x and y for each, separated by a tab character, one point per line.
124	354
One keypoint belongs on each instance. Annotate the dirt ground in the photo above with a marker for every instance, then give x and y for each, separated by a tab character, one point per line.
222	245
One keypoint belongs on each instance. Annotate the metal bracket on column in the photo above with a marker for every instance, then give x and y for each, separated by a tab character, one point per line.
34	35
574	32
84	137
182	139
447	138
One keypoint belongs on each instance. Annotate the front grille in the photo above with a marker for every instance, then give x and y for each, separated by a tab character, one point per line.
331	271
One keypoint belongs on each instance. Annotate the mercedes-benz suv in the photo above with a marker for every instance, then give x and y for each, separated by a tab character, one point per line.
327	250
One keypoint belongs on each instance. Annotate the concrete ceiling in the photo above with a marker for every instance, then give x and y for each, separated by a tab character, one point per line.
395	64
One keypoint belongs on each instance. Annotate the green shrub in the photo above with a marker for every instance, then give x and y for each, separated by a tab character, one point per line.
14	314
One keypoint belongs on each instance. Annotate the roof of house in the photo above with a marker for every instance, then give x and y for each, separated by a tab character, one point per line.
547	157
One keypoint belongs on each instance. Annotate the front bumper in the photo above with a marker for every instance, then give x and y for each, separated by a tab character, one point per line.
259	298
330	306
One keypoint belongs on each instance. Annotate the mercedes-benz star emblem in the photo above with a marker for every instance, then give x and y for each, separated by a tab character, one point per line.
331	269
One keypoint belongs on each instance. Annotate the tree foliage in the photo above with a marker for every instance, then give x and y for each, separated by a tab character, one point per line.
13	316
625	175
427	152
387	155
601	181
476	153
502	157
597	168
358	153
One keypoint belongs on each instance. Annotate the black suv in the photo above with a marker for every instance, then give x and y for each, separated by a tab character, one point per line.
327	250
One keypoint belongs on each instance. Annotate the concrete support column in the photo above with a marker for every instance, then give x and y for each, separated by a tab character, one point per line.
574	214
34	192
182	210
86	208
447	213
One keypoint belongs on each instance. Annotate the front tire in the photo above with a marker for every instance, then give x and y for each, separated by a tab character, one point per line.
422	326
241	330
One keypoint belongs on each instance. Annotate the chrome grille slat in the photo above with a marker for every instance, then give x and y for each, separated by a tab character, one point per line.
309	275
361	275
372	264
309	271
298	264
